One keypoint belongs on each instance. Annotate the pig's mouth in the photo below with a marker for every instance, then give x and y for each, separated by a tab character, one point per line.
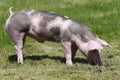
94	57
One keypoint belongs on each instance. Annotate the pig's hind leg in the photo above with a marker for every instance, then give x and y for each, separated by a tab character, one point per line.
18	39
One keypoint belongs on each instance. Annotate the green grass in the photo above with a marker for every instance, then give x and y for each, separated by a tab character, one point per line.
46	61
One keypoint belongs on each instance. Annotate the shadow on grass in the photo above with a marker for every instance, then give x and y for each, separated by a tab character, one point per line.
13	58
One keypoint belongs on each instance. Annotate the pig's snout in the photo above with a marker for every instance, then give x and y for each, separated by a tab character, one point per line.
94	57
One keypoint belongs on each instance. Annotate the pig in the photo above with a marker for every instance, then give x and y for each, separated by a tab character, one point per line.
49	26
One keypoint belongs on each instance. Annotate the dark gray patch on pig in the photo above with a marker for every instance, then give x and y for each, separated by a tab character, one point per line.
55	30
83	31
20	22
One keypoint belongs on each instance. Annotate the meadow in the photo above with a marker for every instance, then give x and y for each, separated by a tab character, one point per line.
45	61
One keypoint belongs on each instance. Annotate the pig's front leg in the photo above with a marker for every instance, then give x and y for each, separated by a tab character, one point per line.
73	49
67	51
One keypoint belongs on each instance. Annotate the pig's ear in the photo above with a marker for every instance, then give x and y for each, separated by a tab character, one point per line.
94	45
104	43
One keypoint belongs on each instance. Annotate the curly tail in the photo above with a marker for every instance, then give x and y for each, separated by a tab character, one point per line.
10	11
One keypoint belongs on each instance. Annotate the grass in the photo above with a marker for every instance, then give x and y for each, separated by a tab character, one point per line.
46	61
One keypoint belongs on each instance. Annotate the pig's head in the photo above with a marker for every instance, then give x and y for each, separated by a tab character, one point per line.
92	52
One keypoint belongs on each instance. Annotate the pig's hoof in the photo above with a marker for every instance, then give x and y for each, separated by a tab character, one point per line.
19	61
69	63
